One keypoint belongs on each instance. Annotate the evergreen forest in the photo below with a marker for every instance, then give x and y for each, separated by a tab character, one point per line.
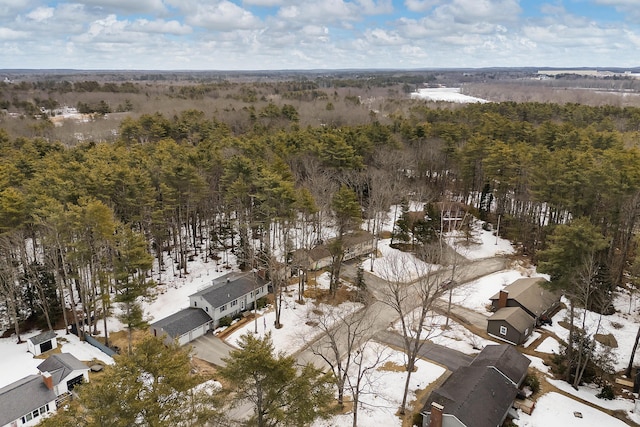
92	217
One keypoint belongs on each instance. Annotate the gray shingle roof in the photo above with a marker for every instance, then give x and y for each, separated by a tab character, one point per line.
322	251
61	365
23	396
182	322
477	396
530	294
506	359
229	287
43	337
480	394
515	316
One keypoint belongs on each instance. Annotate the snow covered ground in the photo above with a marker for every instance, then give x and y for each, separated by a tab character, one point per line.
476	294
17	363
296	319
447	94
554	409
382	395
380	406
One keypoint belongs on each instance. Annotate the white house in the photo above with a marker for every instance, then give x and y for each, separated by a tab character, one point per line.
66	372
228	295
42	342
26	401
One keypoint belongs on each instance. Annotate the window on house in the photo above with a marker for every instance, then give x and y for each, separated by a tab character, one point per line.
223	308
234	303
195	303
503	330
207	309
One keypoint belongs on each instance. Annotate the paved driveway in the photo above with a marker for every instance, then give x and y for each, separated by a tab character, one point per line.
211	348
452	359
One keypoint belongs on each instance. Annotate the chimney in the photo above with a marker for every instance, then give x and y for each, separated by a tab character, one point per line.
502	299
48	380
436	415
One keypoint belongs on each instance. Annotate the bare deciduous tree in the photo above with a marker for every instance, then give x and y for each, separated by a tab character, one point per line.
413	302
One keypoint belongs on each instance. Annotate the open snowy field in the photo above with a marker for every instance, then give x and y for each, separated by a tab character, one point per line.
446	94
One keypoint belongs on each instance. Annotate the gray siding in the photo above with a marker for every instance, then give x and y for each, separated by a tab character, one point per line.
512	335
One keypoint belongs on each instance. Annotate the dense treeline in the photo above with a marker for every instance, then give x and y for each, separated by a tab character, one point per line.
79	222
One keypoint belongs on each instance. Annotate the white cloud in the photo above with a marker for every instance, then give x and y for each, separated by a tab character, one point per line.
127	6
223	16
383	37
372	7
10	8
160	26
9	34
41	14
266	3
421	5
470	11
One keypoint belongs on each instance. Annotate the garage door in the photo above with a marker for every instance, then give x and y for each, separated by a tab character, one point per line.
74	382
46	346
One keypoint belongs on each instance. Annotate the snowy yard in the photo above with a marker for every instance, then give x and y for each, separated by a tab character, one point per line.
382	395
554	409
296	319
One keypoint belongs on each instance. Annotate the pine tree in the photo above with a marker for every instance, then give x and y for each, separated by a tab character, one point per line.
278	392
153	386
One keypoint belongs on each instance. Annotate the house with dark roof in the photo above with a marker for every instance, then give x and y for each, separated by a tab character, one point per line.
228	295
183	326
354	244
506	360
510	324
26	401
519	308
42	342
478	395
66	372
529	294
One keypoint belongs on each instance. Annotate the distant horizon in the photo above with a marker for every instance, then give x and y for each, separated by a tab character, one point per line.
302	70
271	35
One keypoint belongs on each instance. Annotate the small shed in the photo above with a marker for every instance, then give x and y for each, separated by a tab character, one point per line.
510	324
42	343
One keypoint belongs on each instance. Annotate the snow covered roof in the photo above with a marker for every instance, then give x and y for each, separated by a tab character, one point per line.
22	397
182	322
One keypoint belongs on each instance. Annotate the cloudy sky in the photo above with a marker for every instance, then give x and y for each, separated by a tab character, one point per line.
317	34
